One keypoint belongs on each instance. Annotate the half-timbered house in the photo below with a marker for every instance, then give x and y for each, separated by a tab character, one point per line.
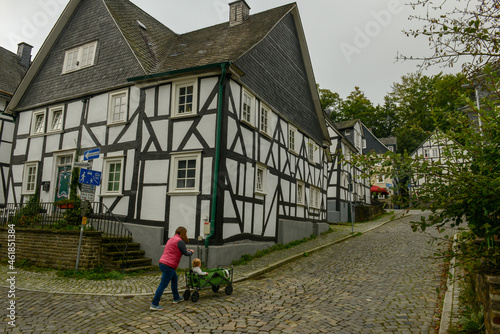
345	185
219	127
12	69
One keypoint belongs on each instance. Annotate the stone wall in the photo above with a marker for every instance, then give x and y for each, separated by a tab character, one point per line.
488	291
53	248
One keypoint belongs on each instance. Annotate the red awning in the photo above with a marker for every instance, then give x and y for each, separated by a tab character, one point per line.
375	189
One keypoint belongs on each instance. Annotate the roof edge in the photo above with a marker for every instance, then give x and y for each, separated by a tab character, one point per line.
42	54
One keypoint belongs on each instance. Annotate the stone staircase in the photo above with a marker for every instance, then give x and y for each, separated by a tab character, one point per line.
113	251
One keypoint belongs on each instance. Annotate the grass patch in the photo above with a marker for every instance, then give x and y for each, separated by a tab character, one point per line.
472	315
246	258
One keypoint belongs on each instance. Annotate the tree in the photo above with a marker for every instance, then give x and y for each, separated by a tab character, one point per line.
468	32
462	187
329	100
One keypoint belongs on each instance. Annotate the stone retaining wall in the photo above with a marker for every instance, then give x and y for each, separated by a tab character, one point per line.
488	291
53	248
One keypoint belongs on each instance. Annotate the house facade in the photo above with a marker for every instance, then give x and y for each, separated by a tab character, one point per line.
12	69
383	179
432	150
346	188
218	128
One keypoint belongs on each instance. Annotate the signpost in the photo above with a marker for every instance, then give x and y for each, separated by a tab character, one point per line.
88	176
91	154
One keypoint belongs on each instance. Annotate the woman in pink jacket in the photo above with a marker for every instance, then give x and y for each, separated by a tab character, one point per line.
169	261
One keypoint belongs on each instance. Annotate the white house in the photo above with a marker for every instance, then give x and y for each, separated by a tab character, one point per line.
218	127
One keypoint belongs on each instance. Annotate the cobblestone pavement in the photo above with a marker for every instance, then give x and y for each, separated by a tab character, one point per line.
378	282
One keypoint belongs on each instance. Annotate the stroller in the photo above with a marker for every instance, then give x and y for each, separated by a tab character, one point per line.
215	278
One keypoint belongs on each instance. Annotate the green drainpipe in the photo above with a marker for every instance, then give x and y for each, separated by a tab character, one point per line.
217	154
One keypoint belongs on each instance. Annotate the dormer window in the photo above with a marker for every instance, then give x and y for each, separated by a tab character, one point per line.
80	57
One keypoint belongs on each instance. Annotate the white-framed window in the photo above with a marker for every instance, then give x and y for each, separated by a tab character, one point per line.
435	152
185	98
80	57
247	105
381	178
260	179
348	132
38	123
426	153
118	107
185	172
364	143
265	114
292	138
56	118
315	195
29	178
113	176
301	193
311	147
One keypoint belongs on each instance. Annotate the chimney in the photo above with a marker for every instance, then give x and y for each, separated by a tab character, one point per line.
24	54
238	12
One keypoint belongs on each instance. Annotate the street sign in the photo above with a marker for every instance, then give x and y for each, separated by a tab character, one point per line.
388	185
82	164
88	176
88	192
91	154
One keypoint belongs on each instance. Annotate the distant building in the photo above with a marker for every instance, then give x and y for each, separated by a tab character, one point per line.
12	69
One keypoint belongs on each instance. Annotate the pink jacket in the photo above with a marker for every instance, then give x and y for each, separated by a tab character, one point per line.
173	252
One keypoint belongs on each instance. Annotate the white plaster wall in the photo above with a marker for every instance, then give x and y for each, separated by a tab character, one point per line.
206	180
52	143
8	131
156	171
98	109
35	151
150	102
161	131
164	100
230	230
73	114
134	100
69	140
207	85
24	122
5	151
153	203
180	130
183	213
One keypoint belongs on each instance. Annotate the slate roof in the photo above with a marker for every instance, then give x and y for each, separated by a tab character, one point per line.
389	141
346	124
11	72
159	49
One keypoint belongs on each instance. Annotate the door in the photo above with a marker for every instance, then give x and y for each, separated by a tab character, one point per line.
63	180
63	177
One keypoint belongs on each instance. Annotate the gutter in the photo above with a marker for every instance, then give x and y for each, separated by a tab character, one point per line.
181	71
217	152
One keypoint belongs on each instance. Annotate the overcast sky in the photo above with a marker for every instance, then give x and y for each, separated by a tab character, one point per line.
351	42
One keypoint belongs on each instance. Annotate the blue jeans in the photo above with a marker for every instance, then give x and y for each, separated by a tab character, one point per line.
167	274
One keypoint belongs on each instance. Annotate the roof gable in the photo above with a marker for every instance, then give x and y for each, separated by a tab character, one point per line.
114	61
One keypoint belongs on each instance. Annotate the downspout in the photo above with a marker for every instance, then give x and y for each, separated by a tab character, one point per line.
217	155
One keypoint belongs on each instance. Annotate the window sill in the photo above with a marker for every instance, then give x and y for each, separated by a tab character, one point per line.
34	135
184	193
248	124
118	123
293	152
180	116
53	132
260	193
265	134
111	195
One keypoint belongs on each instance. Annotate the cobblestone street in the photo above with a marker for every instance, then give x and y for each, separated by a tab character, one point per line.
381	281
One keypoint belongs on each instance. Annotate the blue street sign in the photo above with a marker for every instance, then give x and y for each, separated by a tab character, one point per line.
91	154
88	176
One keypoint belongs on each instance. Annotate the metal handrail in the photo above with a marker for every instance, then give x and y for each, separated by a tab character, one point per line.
55	215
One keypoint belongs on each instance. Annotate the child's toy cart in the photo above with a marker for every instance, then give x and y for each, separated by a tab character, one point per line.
215	278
